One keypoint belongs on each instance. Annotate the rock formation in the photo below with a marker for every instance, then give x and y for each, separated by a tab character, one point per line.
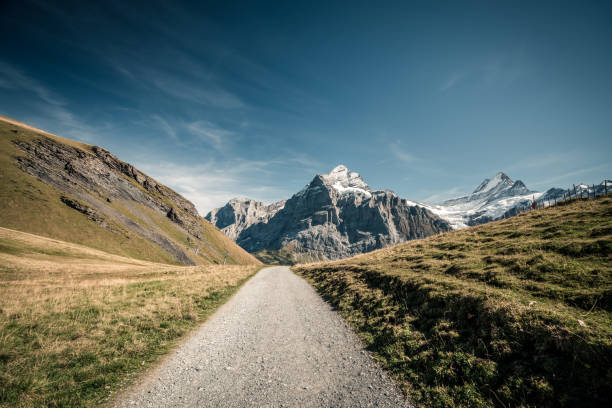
335	216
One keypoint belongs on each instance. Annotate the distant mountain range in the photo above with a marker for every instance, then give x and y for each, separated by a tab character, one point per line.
497	198
338	215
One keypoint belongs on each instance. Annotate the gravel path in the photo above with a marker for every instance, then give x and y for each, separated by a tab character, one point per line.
276	343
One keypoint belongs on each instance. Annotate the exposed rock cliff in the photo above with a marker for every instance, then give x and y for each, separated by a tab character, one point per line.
240	213
113	195
335	216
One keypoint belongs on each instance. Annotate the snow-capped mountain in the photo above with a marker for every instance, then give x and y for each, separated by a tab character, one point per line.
338	215
489	201
500	197
335	216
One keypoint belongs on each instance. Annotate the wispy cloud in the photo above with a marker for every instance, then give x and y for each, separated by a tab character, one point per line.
440	196
209	133
190	91
544	161
502	70
396	150
165	126
452	80
212	184
54	114
566	177
13	78
495	71
67	124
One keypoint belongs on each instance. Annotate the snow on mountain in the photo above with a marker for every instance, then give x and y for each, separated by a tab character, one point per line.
345	181
500	197
338	215
489	201
334	216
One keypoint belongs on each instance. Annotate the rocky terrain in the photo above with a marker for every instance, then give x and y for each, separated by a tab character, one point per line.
114	196
500	197
335	216
338	215
240	213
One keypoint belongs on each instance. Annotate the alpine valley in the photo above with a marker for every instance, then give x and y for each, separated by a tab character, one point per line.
337	215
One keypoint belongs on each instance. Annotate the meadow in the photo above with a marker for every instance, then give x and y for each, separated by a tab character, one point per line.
512	313
77	324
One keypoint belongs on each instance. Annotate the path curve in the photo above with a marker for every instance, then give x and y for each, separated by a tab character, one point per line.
275	343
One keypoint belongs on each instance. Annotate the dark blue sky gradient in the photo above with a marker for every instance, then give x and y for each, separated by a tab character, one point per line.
252	98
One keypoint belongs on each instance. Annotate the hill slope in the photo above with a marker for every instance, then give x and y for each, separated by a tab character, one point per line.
79	193
512	313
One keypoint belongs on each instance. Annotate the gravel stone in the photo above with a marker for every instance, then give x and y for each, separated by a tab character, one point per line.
276	343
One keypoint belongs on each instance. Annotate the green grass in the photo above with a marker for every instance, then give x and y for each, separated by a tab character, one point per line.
78	324
512	313
126	345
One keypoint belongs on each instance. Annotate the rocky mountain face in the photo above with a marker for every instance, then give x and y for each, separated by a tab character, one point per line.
240	213
114	196
335	216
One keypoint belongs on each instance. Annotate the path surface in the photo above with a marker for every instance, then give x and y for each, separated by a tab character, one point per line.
276	343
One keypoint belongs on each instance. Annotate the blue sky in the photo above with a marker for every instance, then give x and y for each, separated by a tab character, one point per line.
220	99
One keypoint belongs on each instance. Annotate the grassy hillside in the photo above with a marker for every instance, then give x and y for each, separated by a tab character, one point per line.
512	313
32	205
77	323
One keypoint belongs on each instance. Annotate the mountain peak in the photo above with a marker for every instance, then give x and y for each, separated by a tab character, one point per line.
345	180
339	169
489	184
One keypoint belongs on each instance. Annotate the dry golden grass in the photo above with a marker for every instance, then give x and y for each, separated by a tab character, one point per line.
79	145
74	321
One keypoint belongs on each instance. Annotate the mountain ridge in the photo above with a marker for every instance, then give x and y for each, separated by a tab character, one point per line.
334	216
494	198
80	193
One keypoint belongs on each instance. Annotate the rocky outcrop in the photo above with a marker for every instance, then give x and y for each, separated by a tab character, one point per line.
240	213
335	216
93	180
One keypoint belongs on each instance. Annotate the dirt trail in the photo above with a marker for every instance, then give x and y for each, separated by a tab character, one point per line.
276	343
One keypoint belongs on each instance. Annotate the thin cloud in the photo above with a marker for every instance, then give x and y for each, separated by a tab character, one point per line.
401	154
452	81
502	71
67	124
564	177
13	78
211	184
441	196
180	89
209	132
165	127
57	117
544	161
